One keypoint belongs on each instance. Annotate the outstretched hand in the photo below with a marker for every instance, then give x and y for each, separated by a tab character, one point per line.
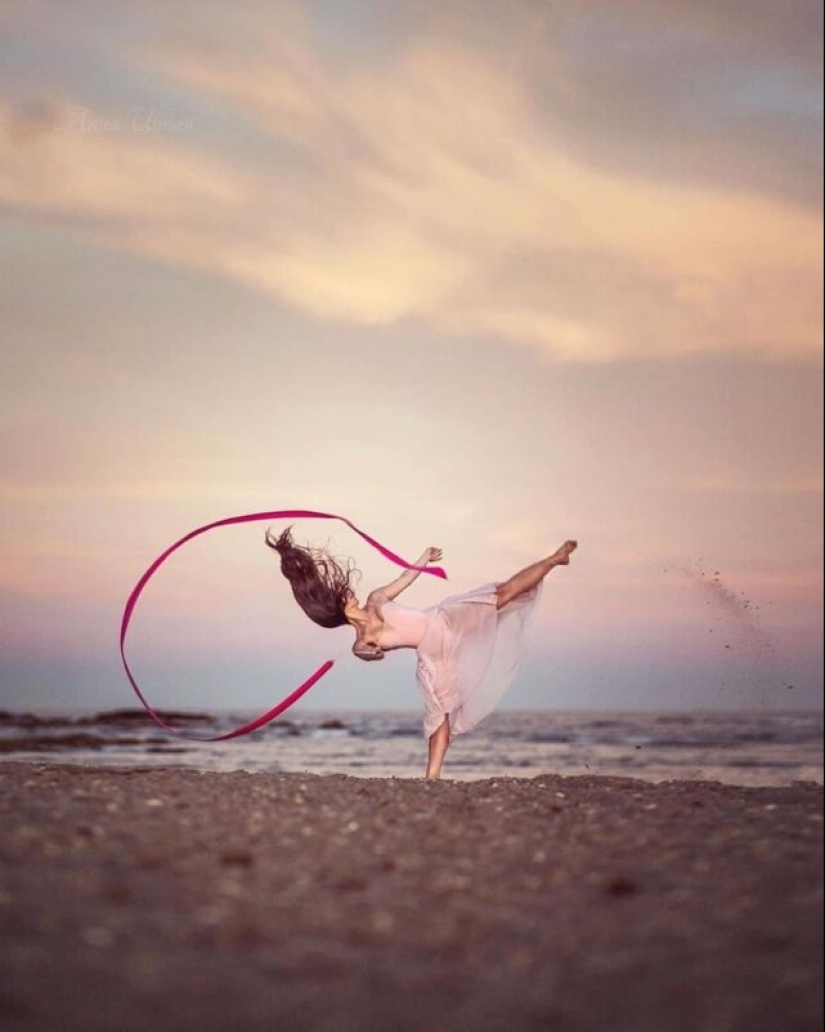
433	555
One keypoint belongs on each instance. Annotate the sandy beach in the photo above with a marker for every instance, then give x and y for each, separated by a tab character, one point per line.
146	899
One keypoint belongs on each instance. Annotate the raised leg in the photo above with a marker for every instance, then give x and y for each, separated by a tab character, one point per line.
439	743
529	577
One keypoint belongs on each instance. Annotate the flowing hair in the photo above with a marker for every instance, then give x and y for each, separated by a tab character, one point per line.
319	583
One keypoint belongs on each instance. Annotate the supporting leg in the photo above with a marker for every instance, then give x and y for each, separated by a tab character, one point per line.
439	743
529	577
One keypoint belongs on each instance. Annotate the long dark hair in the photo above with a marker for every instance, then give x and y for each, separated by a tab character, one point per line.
319	583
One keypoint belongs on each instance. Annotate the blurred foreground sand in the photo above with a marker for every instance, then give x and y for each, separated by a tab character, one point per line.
146	899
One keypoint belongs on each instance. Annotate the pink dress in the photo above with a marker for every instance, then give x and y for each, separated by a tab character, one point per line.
468	651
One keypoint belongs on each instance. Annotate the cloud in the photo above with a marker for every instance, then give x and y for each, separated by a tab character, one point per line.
725	94
756	28
99	169
812	485
37	493
12	14
424	185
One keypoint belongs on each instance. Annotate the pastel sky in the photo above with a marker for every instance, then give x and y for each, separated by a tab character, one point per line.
476	275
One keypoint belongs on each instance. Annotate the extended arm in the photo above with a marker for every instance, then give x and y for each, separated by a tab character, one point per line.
394	588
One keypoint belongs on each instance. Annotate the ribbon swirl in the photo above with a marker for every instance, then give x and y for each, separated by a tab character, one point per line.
294	696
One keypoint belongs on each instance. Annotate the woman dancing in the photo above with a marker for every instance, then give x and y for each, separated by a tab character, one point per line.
469	645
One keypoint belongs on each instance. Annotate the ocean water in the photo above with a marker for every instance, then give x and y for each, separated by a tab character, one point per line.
767	748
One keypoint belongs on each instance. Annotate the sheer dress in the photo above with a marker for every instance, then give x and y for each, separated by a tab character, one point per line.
469	652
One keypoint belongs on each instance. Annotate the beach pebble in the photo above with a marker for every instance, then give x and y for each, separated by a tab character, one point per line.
229	887
98	936
210	915
143	967
352	883
154	802
383	921
621	885
237	858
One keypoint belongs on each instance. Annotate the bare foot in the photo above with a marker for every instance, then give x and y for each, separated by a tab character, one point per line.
562	556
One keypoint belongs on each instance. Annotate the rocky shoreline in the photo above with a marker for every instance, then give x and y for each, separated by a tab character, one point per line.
31	732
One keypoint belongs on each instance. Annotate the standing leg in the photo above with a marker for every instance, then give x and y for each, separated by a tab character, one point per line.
439	743
528	578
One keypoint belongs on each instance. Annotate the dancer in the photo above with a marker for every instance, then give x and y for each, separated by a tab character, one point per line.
469	646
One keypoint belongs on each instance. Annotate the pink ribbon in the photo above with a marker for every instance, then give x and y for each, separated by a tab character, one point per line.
293	697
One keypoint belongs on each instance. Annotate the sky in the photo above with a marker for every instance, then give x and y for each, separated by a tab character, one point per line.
476	276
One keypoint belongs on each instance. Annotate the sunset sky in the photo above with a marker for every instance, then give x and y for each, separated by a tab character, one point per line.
476	275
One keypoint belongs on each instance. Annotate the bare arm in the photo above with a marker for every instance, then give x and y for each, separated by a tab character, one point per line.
394	588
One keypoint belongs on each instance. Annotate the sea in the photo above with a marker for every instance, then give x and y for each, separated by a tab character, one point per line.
750	748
